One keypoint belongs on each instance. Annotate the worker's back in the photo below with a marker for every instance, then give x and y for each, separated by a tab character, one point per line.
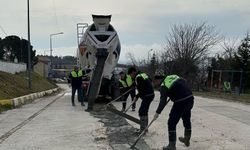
179	90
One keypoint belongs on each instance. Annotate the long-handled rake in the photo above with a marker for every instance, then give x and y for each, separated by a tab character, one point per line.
142	133
130	105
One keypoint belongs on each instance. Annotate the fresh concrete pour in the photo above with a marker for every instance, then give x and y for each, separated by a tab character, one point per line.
217	125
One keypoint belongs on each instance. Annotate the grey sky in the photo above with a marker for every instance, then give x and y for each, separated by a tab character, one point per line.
141	24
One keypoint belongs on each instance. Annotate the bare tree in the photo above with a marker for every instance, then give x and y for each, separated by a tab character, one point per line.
230	47
141	64
187	44
131	56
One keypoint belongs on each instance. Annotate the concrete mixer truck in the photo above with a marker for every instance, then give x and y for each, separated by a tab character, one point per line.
99	48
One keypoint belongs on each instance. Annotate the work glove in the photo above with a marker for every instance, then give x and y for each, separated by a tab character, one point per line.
88	70
156	116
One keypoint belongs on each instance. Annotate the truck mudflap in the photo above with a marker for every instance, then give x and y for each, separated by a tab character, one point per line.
114	110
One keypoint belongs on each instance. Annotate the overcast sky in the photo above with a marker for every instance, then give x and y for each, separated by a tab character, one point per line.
141	24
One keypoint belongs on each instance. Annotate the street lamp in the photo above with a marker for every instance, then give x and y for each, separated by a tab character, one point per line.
50	43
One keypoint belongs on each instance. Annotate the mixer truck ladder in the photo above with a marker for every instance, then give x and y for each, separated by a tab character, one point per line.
81	28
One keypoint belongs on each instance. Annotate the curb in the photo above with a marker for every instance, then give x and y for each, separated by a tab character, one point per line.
18	101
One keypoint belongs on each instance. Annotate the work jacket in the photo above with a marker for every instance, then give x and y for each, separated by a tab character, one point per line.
123	85
176	89
76	78
144	85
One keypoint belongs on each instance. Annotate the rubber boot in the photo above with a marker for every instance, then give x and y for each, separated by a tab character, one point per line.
186	138
172	141
123	106
144	122
72	101
143	125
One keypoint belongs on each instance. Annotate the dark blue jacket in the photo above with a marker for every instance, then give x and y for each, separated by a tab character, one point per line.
177	93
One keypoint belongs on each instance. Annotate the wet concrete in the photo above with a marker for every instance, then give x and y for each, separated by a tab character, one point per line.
120	135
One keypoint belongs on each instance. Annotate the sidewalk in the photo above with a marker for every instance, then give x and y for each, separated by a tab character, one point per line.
56	126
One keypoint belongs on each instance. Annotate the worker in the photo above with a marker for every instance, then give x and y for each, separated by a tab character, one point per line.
227	86
123	88
130	86
75	78
176	89
145	92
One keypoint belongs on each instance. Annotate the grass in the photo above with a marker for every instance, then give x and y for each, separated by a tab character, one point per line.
245	98
5	107
15	85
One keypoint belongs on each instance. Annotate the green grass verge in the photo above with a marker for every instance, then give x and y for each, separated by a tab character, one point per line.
5	107
245	98
15	85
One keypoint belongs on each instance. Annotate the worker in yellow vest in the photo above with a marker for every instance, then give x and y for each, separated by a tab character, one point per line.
145	93
130	85
123	88
75	78
176	89
227	86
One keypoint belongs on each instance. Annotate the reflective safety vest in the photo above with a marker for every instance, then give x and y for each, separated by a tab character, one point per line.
129	80
170	80
124	84
227	86
143	75
78	74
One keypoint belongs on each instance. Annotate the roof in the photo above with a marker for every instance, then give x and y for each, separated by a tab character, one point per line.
43	58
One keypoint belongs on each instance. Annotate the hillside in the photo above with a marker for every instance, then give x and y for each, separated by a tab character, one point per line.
15	85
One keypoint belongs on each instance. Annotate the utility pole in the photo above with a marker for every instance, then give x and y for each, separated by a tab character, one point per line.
29	53
50	43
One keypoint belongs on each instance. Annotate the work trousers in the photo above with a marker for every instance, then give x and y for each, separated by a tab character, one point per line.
79	94
179	110
125	97
145	103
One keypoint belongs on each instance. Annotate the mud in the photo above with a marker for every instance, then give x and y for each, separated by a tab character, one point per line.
116	132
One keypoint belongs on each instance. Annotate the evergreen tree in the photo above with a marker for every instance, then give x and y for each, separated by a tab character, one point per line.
242	58
243	54
12	47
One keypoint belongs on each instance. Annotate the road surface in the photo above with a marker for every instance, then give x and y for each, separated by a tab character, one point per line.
52	123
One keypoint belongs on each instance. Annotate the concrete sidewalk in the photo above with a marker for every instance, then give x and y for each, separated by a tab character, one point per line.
217	125
55	125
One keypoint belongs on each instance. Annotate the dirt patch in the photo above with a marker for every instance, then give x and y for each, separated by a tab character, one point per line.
119	133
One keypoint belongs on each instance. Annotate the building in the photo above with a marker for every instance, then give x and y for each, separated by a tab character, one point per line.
43	66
